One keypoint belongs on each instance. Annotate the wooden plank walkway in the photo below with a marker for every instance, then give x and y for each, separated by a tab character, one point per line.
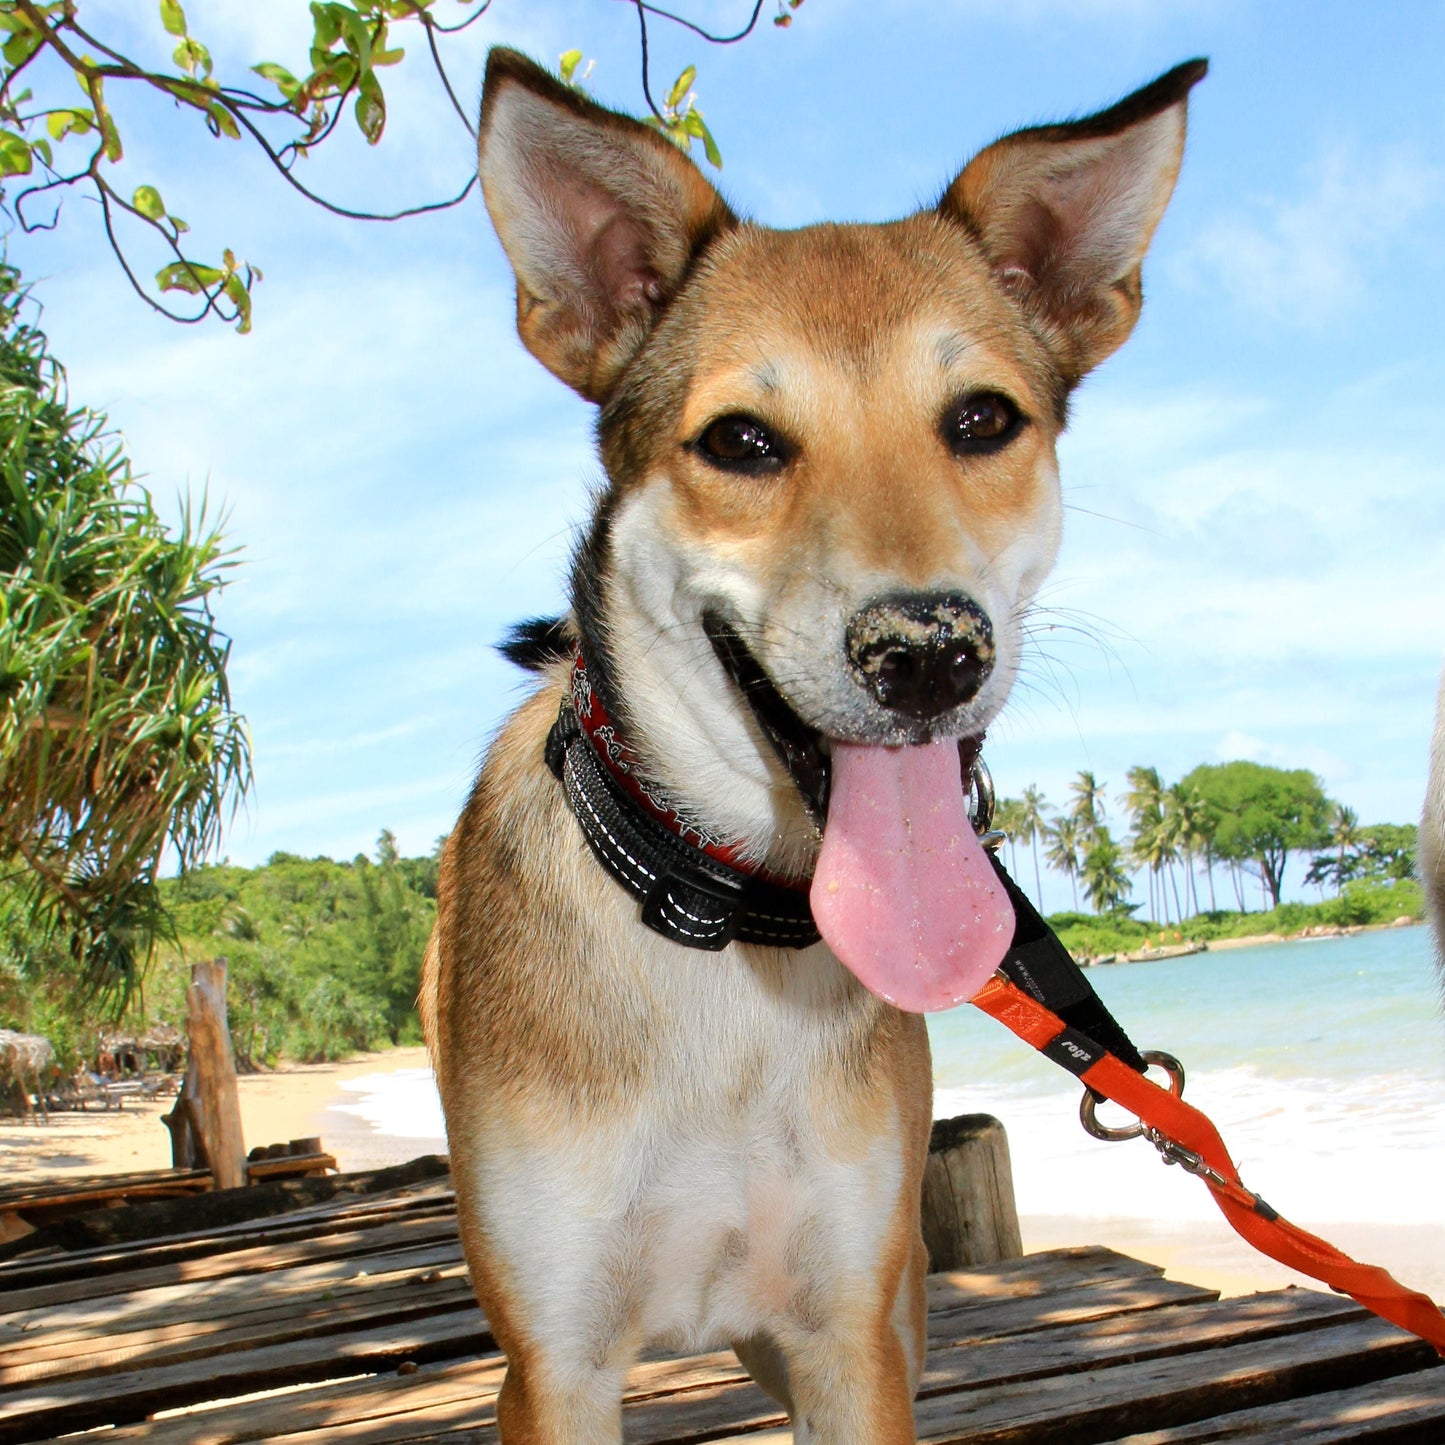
353	1322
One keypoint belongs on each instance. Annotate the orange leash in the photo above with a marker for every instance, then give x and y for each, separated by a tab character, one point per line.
1185	1136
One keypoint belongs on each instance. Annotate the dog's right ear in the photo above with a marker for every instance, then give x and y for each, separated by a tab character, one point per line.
600	217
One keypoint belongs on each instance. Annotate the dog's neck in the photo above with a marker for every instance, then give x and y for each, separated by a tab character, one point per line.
610	743
694	740
667	712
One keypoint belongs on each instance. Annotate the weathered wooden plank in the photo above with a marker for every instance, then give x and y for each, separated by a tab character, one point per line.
692	1400
990	1320
224	1297
1037	1274
381	1397
39	1194
1031	1276
311	1313
1400	1410
1082	1409
1099	1404
970	1295
403	1401
1114	1339
306	1222
46	1410
259	1258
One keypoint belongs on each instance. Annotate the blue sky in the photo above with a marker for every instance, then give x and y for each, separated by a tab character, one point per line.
1254	563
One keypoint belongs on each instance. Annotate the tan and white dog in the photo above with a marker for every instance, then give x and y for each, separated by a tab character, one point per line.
832	495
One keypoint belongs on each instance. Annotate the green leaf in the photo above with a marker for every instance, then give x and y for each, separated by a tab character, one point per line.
173	17
240	295
280	77
113	149
147	200
20	47
193	57
61	123
328	26
370	108
567	64
188	276
680	87
694	125
388	57
223	120
15	156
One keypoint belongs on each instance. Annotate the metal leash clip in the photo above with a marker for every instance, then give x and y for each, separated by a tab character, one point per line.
1186	1159
981	806
1113	1134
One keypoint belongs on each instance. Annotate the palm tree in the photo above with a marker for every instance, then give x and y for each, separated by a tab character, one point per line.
1088	809
1106	884
1063	851
1032	826
1187	810
1344	834
1151	849
1144	800
1007	814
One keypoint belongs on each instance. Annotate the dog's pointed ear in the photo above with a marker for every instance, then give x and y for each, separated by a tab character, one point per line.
599	215
1065	213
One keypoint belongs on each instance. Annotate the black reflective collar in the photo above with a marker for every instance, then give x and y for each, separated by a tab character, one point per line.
686	894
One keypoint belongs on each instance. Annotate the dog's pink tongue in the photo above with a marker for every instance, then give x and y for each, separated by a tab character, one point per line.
903	892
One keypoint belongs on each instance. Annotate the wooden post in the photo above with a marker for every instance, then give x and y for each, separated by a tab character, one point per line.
969	1215
206	1120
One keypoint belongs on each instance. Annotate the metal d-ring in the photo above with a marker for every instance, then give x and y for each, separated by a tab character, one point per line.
981	799
1089	1102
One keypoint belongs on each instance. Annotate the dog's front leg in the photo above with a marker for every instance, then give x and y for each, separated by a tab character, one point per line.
850	1380
552	1271
851	1390
543	1402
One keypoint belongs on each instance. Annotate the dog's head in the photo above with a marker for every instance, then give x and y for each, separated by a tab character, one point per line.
831	451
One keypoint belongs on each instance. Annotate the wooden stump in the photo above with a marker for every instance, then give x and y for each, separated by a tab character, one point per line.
205	1124
969	1215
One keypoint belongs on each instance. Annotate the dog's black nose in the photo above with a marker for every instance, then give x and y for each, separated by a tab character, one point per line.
921	654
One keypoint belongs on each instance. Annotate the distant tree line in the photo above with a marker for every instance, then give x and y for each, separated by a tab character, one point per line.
325	957
1237	821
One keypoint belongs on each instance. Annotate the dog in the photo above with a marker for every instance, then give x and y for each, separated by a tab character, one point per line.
720	862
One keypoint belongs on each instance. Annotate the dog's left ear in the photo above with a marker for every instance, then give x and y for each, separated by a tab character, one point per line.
1065	213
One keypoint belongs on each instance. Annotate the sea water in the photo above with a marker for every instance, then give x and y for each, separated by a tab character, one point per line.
1322	1063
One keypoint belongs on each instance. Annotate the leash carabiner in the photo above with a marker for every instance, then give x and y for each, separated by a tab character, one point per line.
1089	1104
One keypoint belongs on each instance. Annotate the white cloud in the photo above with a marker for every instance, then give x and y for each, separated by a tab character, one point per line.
1303	258
1235	745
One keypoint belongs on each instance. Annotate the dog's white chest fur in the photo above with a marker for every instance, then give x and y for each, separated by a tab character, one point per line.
704	1209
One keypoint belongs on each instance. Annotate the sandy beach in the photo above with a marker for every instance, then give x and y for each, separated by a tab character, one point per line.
292	1102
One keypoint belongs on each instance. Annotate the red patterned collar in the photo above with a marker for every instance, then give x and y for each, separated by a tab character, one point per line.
622	763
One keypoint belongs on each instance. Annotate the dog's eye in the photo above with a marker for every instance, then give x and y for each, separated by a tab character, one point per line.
982	422
741	444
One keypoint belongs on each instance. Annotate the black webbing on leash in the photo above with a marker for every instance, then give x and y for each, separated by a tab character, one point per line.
1045	970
